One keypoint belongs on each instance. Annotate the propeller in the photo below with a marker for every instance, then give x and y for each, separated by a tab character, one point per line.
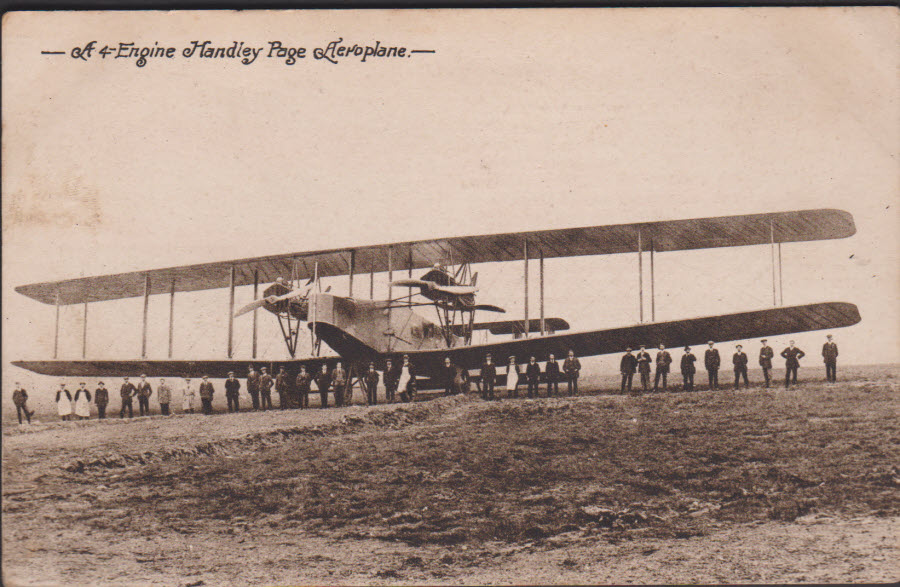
413	283
271	300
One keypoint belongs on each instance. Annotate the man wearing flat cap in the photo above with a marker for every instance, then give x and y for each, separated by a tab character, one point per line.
765	360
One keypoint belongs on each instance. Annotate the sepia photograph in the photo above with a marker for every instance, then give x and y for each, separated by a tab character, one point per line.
458	296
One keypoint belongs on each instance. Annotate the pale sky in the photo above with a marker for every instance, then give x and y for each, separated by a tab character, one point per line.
520	120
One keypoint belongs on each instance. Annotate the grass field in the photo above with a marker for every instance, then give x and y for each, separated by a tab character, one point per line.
749	486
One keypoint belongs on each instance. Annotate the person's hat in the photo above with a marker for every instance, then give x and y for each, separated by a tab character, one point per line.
628	349
687	348
101	383
143	374
231	372
488	355
738	346
371	364
263	368
829	336
711	342
81	383
765	340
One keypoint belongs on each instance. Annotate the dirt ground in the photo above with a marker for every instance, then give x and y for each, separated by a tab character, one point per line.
755	486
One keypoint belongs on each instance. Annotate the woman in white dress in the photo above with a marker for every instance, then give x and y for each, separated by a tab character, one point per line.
406	375
187	400
512	378
63	402
82	403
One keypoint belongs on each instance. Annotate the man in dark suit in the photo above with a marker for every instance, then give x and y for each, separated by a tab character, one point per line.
127	392
282	386
572	369
740	367
551	373
232	389
371	381
20	396
253	387
323	380
449	374
101	399
265	389
302	386
533	377
712	361
391	381
644	360
627	367
792	356
765	360
663	360
830	355
488	377
144	391
206	395
688	369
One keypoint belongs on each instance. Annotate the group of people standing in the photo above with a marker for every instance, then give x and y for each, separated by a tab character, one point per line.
552	375
642	361
400	381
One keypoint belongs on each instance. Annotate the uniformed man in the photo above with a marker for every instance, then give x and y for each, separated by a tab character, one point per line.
688	369
101	400
663	361
371	381
265	389
338	383
627	367
144	391
488	377
643	362
449	375
391	381
20	397
302	385
765	360
253	386
551	374
830	355
792	356
572	369
533	377
206	395
712	361
739	359
127	392
164	397
282	386
323	380
232	391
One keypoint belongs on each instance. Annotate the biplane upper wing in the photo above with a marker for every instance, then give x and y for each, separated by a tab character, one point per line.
694	331
675	334
674	235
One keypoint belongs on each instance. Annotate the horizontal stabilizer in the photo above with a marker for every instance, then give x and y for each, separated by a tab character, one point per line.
516	326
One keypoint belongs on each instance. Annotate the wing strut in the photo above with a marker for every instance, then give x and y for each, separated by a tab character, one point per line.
231	273
146	308
640	275
525	322
541	271
84	334
171	317
255	296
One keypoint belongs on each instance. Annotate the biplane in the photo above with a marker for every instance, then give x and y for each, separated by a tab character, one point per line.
433	315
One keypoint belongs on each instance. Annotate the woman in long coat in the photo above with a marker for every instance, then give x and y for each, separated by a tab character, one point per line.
512	378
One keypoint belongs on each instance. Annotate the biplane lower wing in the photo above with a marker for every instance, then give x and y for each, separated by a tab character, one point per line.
196	369
677	333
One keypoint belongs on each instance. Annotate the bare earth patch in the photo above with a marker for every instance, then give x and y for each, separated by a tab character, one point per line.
751	486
